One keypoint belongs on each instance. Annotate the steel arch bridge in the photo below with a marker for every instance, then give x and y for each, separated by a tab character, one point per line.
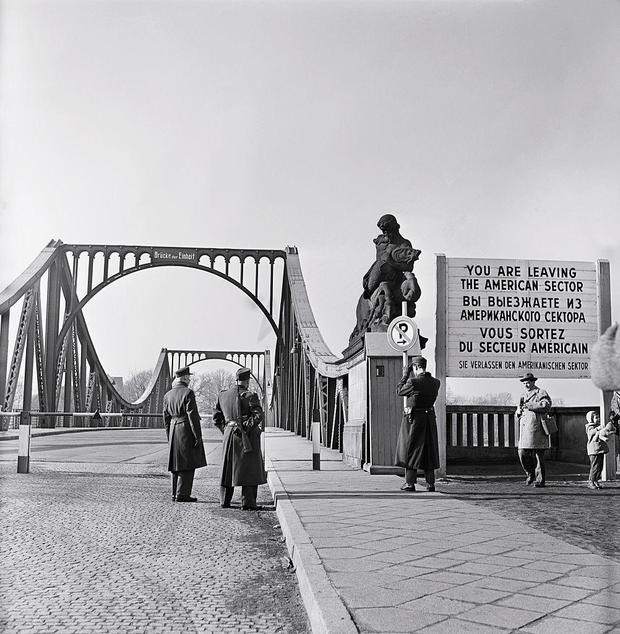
45	342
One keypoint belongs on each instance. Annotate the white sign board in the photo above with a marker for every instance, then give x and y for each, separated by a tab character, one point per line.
508	317
402	334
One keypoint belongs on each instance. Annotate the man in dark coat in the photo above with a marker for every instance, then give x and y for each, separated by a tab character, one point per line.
239	416
417	446
182	423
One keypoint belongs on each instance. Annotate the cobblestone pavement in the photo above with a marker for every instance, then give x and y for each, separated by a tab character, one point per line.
565	508
102	548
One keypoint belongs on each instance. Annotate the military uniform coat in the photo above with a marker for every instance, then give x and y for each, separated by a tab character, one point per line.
534	404
182	423
241	407
417	446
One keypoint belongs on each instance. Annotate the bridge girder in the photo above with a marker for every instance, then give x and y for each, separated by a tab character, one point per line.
52	341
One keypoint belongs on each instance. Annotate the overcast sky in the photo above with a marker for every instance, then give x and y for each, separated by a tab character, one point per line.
490	129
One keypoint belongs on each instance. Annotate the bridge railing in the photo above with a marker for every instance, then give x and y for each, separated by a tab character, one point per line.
481	426
486	433
64	420
145	420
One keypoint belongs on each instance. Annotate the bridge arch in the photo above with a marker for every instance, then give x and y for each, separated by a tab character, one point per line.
76	304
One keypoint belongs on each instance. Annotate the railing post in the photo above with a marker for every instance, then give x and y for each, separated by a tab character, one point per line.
23	448
316	440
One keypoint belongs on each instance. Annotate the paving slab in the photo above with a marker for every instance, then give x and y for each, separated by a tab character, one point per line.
556	625
436	562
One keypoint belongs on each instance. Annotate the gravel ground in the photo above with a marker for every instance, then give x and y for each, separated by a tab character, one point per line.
565	508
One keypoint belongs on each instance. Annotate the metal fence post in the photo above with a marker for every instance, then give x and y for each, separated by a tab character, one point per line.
23	448
316	444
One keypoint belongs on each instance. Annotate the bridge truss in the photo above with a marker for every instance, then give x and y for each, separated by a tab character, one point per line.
46	350
258	362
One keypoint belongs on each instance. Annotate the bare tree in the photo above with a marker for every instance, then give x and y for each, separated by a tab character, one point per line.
505	399
500	398
207	387
133	388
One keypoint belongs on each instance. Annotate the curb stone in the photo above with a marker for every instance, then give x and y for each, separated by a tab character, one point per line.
326	611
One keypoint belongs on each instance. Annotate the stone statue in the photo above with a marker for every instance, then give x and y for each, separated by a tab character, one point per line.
388	282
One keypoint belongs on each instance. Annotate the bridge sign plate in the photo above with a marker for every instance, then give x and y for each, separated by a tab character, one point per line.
402	334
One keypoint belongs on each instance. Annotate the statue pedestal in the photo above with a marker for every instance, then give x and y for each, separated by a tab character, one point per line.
375	411
385	408
356	346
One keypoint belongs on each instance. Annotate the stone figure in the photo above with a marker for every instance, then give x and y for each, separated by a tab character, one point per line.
388	282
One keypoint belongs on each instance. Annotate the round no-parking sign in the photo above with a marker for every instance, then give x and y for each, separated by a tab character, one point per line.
402	333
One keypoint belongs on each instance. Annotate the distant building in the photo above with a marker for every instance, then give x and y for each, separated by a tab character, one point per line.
117	382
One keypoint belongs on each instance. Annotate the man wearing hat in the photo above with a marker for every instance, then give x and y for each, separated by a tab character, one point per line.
532	438
417	446
239	416
182	423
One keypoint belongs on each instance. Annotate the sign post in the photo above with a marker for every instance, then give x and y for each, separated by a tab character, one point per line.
403	335
440	362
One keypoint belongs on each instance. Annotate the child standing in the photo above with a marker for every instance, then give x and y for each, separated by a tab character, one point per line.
597	447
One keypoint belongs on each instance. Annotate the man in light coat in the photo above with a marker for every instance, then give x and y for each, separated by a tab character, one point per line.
239	416
182	423
532	438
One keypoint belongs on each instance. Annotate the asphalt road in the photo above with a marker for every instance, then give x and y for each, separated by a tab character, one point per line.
93	543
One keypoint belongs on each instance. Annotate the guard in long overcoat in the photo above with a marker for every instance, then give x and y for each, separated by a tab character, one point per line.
239	416
417	446
532	439
182	423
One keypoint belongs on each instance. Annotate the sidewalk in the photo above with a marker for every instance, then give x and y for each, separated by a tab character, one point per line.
371	558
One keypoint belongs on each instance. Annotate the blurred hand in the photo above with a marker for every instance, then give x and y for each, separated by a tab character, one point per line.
411	289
